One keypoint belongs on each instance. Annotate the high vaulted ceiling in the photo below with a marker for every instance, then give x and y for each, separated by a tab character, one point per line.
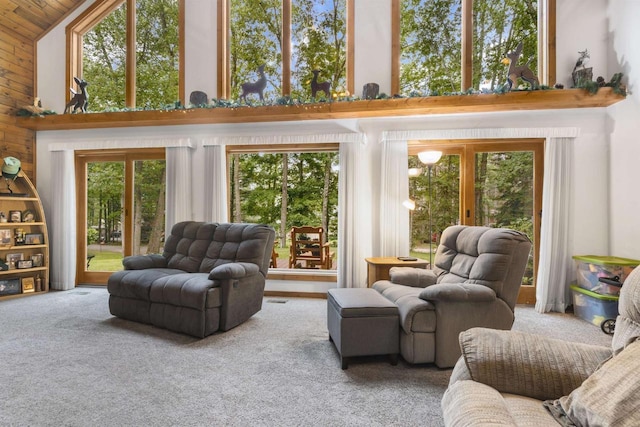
30	19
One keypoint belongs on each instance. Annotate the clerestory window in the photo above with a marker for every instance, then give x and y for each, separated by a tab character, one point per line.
279	43
130	53
445	46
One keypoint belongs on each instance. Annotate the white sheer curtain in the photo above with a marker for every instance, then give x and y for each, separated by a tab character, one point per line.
179	188
394	189
556	265
215	185
63	221
354	215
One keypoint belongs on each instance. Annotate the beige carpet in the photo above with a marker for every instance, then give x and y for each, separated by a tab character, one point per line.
68	362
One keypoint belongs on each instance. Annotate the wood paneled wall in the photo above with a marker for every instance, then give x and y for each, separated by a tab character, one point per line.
17	57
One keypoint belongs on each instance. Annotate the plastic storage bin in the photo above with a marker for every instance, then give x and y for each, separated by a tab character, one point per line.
593	307
590	268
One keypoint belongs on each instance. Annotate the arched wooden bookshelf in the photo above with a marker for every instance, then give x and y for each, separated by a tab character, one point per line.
24	241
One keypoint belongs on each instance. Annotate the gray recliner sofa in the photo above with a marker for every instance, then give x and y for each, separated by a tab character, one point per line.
210	277
475	282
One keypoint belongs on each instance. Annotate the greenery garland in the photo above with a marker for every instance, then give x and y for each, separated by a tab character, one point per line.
590	86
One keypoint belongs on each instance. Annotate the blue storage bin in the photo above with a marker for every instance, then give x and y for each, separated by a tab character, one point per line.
593	307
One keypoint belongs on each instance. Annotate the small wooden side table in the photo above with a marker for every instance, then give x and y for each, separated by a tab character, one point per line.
378	267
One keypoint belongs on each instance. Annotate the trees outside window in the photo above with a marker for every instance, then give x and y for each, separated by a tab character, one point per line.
447	46
291	38
285	189
128	65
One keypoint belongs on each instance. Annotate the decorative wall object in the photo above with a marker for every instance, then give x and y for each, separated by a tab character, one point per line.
198	97
580	74
317	86
370	91
80	100
516	71
256	87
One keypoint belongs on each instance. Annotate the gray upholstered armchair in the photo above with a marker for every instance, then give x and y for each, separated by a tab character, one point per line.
475	282
503	377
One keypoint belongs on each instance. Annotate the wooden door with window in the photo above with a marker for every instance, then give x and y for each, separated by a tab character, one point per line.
495	183
120	209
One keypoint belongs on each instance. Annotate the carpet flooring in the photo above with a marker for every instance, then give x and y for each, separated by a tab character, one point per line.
68	362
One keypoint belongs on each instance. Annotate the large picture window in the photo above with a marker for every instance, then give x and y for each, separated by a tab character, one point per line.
493	183
287	186
129	52
445	46
291	39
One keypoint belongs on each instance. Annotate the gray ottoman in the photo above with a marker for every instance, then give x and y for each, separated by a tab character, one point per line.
362	322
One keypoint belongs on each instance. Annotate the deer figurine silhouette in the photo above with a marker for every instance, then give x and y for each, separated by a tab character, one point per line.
80	100
319	86
255	87
519	71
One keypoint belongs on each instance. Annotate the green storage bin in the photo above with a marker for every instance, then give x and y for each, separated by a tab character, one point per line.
593	307
592	267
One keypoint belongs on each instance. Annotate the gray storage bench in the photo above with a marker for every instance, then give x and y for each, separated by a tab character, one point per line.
362	322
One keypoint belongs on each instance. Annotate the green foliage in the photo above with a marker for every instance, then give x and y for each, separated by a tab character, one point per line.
255	40
430	46
260	189
318	31
498	28
92	236
104	57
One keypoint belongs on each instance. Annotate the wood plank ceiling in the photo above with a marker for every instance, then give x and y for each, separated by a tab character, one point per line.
30	19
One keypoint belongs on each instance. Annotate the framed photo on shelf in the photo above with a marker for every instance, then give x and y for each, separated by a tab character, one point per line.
24	263
12	260
28	216
28	285
33	239
15	216
37	260
5	237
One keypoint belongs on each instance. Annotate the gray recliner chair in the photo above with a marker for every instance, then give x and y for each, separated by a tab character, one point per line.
210	277
475	282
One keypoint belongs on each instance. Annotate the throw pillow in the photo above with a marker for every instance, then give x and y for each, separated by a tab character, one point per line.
609	397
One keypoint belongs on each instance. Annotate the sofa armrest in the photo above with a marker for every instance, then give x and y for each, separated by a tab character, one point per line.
412	276
458	292
468	403
234	270
528	364
142	262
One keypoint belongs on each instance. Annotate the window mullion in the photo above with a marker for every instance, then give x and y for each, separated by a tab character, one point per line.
466	80
130	84
286	47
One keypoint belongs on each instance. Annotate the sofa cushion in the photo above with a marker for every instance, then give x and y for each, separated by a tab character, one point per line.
137	283
610	395
193	290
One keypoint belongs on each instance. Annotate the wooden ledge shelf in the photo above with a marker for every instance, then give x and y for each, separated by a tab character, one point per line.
481	103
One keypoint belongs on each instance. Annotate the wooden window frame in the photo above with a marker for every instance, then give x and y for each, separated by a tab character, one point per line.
293	275
224	50
467	148
82	158
90	18
546	43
